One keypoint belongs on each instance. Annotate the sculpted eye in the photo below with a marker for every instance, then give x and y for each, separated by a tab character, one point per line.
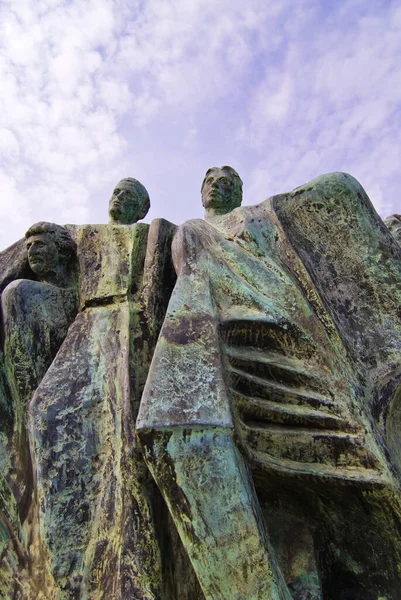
209	180
225	180
116	191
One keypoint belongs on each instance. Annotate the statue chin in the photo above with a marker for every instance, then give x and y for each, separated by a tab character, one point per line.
114	214
39	269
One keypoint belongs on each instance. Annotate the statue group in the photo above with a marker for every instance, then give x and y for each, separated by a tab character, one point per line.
204	412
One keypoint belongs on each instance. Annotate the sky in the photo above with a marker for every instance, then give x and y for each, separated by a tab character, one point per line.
92	91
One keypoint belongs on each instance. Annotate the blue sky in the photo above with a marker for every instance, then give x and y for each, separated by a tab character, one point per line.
92	91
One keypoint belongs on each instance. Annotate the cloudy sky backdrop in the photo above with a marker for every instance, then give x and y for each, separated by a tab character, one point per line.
283	90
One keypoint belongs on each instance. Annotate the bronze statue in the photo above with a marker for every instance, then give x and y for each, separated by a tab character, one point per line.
88	391
93	387
99	507
41	309
275	359
267	411
36	314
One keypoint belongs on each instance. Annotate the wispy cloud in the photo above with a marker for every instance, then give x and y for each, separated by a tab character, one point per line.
344	102
96	90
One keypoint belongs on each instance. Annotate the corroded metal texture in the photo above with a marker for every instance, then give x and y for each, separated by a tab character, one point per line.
283	332
204	412
86	519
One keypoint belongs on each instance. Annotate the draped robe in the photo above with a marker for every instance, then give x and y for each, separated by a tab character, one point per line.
98	506
277	370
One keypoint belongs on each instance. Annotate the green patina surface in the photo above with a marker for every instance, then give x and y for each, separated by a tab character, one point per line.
251	451
292	307
209	492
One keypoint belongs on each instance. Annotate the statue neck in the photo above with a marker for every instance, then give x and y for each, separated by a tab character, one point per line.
212	213
60	277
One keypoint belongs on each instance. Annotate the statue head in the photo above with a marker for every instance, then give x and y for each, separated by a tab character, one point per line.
129	202
221	191
393	223
50	250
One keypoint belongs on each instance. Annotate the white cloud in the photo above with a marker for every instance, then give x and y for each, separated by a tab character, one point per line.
95	90
57	110
14	207
344	103
9	144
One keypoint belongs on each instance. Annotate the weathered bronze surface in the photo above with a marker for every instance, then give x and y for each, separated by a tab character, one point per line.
208	412
275	380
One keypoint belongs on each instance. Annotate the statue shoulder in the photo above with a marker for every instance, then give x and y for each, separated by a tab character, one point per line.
331	184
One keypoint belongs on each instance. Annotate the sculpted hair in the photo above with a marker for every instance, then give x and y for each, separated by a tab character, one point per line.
60	235
237	191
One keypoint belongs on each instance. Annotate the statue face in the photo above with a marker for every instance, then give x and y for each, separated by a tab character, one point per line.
217	191
43	254
125	204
